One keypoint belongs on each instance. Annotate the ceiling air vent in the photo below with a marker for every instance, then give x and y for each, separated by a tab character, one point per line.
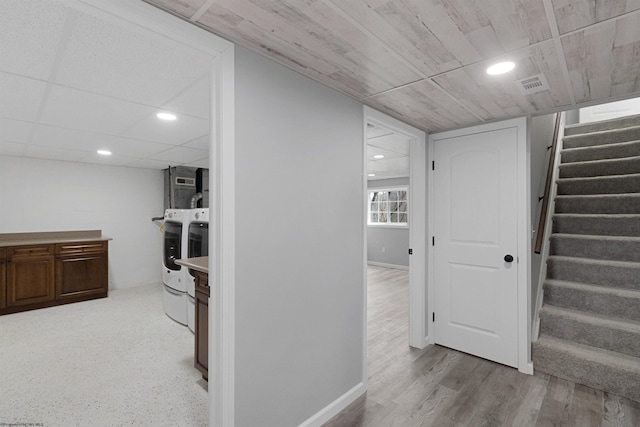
533	84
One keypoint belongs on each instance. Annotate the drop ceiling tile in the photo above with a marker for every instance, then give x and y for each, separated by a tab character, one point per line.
574	14
74	109
181	155
73	139
399	163
177	132
15	131
185	8
393	142
388	154
498	97
376	131
437	36
52	153
314	39
424	106
113	160
202	163
20	97
12	149
194	101
150	164
604	61
200	143
151	70
30	31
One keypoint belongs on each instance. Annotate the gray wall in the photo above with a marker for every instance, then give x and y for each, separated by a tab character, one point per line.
541	136
388	245
299	237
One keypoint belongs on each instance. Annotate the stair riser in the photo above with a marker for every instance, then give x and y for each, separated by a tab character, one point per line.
623	204
603	168
593	334
606	185
596	274
600	376
592	302
610	137
618	123
618	151
597	226
596	249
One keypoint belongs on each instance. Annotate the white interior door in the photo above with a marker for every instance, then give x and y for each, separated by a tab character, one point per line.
475	218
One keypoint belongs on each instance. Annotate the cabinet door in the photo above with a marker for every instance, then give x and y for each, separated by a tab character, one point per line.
81	275
3	283
81	270
201	356
30	276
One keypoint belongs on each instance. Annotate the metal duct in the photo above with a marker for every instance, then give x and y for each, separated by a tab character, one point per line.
194	200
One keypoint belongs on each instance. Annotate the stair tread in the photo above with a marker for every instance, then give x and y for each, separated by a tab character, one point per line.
599	289
608	124
600	355
599	147
599	161
602	177
603	262
629	325
596	237
599	196
567	215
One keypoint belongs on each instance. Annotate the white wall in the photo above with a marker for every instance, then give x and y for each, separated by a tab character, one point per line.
611	110
388	245
49	195
299	238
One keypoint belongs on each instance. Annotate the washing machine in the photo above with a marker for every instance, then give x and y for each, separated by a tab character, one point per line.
198	245
174	276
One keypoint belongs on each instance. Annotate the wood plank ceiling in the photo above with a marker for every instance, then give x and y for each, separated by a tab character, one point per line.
424	61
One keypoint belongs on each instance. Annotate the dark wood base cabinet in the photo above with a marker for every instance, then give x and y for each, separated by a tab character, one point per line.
201	354
3	278
38	276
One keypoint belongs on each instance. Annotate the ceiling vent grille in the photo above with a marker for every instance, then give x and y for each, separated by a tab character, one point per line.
533	84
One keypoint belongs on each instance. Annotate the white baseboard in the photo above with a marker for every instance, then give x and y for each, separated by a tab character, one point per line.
335	407
382	264
527	369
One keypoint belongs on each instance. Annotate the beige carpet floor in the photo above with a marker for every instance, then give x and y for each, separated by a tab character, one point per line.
110	362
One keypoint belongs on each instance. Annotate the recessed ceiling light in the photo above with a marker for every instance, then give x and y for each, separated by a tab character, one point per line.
166	116
372	174
104	152
379	156
500	68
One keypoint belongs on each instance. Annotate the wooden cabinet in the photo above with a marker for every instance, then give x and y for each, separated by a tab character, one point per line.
3	278
81	270
42	275
30	275
201	353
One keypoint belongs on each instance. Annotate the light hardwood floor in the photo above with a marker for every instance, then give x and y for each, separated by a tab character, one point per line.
442	387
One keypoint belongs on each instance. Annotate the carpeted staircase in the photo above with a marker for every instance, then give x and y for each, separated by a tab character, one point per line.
590	318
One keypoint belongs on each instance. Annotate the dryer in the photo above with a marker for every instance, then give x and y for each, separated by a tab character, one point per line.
198	245
174	276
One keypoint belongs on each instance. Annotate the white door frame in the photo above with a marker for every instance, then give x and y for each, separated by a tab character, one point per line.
221	183
524	235
417	224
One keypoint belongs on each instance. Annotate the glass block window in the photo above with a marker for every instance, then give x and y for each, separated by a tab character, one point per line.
388	207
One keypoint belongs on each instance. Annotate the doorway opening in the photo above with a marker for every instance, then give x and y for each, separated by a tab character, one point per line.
394	234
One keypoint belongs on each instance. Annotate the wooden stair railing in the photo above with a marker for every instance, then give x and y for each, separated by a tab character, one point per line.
547	187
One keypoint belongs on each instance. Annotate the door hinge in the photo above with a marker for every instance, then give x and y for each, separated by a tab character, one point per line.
434	316
410	251
433	165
